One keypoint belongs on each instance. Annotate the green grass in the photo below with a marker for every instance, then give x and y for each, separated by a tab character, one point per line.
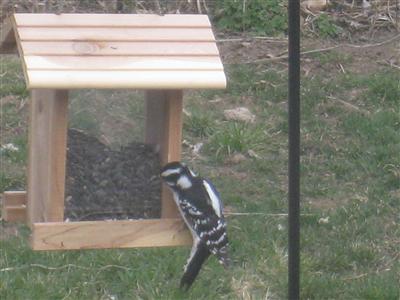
266	17
12	79
12	125
326	26
350	194
118	115
199	124
234	138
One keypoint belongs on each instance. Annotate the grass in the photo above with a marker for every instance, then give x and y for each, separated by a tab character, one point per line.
350	192
116	115
234	138
199	125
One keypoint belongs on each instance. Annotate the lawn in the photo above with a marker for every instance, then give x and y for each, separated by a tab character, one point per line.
350	187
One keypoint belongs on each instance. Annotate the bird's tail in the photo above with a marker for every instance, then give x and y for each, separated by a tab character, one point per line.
194	265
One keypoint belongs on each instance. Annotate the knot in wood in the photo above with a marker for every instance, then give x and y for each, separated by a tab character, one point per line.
85	48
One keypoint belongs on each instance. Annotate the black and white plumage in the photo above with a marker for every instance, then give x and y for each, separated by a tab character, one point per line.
201	208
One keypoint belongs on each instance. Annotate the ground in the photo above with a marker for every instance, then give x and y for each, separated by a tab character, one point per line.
350	179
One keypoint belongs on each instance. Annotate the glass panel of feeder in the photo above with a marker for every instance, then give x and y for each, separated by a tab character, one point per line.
111	174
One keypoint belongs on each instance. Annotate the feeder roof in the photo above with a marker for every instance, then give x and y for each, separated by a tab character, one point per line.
70	51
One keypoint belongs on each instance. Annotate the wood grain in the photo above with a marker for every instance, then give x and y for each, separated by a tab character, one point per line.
115	48
173	122
115	34
112	20
171	145
126	79
14	206
109	234
164	132
74	51
122	63
47	155
14	198
14	214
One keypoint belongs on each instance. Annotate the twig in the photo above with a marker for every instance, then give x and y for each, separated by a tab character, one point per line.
199	7
262	60
341	68
388	63
393	38
350	106
67	295
356	277
394	66
261	214
62	267
267	38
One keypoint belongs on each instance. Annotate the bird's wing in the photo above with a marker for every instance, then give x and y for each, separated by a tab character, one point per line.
204	215
213	197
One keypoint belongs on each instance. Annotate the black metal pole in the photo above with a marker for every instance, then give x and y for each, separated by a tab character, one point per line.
294	150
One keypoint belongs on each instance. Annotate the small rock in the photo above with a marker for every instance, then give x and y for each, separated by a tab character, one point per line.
215	100
366	4
187	113
197	147
103	183
239	114
316	5
323	220
253	154
236	158
9	147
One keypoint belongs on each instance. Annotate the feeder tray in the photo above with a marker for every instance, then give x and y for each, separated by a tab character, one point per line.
162	55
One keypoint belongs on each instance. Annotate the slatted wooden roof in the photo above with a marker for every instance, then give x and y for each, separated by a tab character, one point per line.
115	51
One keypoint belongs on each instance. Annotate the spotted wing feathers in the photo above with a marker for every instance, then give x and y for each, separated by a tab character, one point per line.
201	208
207	222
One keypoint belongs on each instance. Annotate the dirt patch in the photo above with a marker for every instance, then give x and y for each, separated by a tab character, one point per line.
242	49
102	183
325	204
364	56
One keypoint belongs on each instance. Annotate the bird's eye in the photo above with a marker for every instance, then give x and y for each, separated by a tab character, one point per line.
171	178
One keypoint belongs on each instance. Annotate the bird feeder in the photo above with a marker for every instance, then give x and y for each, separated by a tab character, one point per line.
162	55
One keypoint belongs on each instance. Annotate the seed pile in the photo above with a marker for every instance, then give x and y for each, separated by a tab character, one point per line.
104	184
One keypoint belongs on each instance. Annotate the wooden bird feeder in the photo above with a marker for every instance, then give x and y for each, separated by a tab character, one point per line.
161	55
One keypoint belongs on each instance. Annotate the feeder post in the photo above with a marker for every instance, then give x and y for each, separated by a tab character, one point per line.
47	141
294	150
164	131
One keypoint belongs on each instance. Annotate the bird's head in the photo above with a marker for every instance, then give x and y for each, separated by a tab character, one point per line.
177	175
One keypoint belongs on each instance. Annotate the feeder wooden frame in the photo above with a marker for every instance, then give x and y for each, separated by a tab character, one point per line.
161	55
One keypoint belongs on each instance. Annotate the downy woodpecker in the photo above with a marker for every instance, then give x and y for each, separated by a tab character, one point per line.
201	208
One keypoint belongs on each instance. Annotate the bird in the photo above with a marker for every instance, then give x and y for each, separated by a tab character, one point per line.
201	208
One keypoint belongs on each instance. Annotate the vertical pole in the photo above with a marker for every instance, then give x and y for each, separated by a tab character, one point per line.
164	131
47	155
294	150
155	111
